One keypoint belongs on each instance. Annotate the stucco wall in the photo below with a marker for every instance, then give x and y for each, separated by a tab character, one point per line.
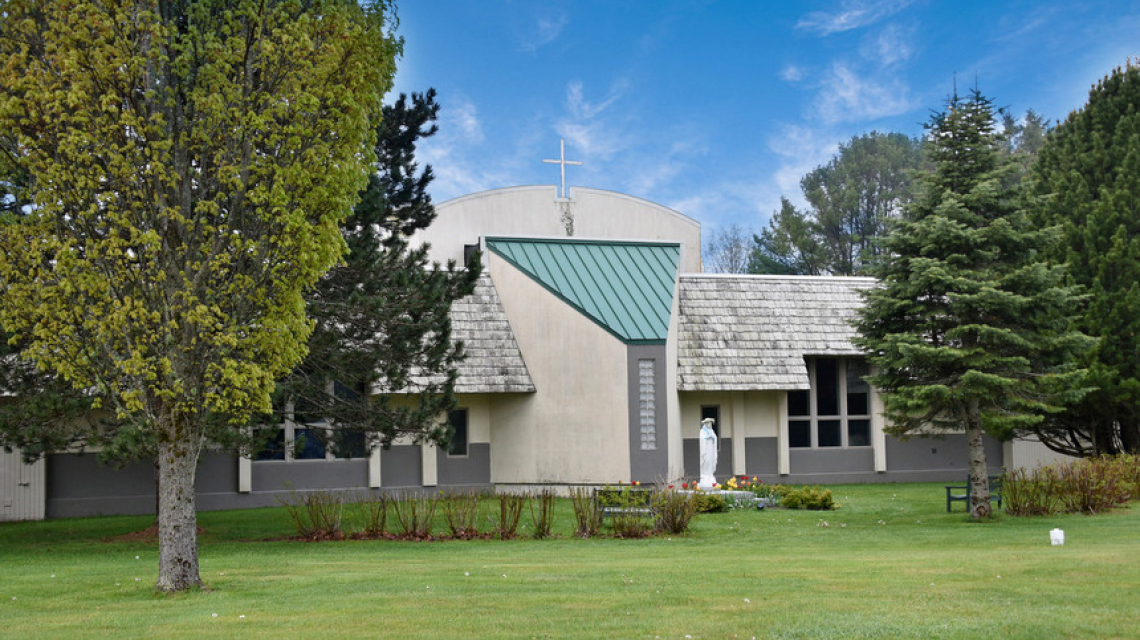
536	211
575	428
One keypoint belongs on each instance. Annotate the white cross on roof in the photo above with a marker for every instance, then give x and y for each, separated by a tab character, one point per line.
563	161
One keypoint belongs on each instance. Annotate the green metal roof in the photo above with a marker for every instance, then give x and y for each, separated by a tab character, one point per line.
625	287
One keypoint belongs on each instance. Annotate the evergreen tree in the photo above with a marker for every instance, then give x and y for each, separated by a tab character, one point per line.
382	318
1087	179
969	328
789	246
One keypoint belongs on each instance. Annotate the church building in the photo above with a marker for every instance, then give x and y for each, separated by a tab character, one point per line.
596	346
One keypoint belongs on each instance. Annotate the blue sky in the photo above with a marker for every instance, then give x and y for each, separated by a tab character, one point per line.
717	108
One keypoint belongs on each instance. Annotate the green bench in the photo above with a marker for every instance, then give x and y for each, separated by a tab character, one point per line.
953	496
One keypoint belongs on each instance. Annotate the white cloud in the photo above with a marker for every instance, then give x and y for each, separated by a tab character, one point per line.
791	73
546	30
801	149
845	96
583	109
890	46
854	14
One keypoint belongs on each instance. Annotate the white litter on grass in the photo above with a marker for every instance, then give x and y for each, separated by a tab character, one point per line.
136	557
136	579
53	575
213	615
748	601
241	617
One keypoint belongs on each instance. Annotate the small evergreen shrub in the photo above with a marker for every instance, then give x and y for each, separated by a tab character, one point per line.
711	503
810	498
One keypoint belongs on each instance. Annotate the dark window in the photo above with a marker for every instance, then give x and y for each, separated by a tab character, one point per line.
830	435
350	444
799	403
836	411
827	386
799	434
712	411
272	446
457	420
859	433
307	445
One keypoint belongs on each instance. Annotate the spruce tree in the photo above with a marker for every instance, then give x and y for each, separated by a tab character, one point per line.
1087	179
969	327
382	318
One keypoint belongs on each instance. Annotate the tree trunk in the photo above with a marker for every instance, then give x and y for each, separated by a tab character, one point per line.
979	471
177	516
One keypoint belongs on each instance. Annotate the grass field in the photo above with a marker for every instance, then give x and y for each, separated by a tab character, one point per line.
890	563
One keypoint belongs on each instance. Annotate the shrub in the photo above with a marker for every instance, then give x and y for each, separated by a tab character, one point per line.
1089	486
710	503
587	512
510	511
373	512
316	514
461	512
415	514
673	511
543	518
810	498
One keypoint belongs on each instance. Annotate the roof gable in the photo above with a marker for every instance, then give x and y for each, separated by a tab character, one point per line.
625	287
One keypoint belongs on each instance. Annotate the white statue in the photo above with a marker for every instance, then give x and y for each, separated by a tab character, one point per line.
708	454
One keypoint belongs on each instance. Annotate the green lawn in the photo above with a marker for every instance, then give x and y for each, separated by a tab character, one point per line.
889	563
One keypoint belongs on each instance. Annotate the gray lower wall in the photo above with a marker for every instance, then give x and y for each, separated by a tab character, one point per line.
761	456
474	469
692	452
77	485
920	459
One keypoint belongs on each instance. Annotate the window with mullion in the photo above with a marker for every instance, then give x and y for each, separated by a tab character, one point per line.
835	412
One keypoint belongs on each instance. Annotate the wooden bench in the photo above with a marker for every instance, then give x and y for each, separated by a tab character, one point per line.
625	500
952	497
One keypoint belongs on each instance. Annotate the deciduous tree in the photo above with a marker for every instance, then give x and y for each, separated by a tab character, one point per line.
969	328
382	318
189	163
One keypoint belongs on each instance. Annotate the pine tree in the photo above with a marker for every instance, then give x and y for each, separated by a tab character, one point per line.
969	328
382	318
1087	179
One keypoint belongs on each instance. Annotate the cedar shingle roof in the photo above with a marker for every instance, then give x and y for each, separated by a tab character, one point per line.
741	333
494	363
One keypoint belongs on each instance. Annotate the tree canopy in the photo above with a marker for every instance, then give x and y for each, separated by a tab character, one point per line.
1087	180
188	164
850	199
969	328
382	318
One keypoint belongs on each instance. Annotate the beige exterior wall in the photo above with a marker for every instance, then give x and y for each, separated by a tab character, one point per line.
743	414
1030	454
576	427
538	212
23	488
